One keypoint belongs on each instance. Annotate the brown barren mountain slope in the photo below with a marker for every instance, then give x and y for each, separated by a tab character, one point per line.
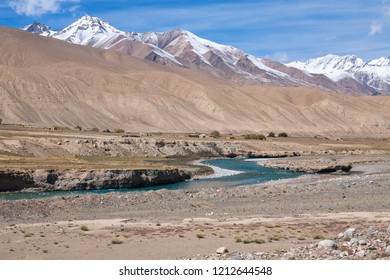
48	82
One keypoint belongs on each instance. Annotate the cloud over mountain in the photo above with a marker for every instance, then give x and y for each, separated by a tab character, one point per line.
39	7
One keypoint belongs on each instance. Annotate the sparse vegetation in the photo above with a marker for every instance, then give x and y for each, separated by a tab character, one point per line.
282	134
1	120
116	241
119	130
238	239
271	134
255	137
95	129
318	236
57	127
84	228
215	134
200	235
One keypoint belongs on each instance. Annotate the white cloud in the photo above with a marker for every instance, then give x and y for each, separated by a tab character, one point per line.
38	7
386	10
375	28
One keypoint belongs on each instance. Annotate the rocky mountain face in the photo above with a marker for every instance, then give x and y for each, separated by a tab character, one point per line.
348	75
39	28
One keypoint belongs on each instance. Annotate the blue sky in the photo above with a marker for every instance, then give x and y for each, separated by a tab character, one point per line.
278	29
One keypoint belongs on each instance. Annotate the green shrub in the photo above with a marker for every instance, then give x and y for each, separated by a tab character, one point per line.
215	134
271	134
282	134
254	136
116	241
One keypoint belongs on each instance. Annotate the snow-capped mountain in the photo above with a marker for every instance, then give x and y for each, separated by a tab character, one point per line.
375	73
39	28
88	30
344	74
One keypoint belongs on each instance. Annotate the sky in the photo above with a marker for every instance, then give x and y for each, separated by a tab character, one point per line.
277	29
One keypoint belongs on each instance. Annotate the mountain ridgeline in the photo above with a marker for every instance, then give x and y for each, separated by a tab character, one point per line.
340	74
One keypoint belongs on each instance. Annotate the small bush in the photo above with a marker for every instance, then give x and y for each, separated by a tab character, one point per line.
57	127
215	134
254	137
95	129
282	134
318	236
200	235
119	130
271	134
1	120
84	228
116	241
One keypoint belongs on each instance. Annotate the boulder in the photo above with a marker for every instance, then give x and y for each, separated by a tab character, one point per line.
222	250
349	234
327	244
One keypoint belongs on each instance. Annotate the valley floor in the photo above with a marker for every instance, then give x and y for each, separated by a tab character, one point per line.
283	219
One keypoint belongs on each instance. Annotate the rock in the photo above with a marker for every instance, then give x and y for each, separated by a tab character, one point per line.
353	241
371	230
349	234
361	254
222	250
362	242
289	256
236	258
388	229
328	244
387	251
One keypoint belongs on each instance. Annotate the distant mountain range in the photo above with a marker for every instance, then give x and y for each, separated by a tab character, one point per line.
180	48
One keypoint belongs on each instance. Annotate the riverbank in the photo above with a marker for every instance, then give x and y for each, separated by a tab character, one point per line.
271	217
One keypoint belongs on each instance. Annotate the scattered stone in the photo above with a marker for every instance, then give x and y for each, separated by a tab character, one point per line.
362	247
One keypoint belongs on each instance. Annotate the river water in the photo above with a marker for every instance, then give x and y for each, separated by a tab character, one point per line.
227	173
